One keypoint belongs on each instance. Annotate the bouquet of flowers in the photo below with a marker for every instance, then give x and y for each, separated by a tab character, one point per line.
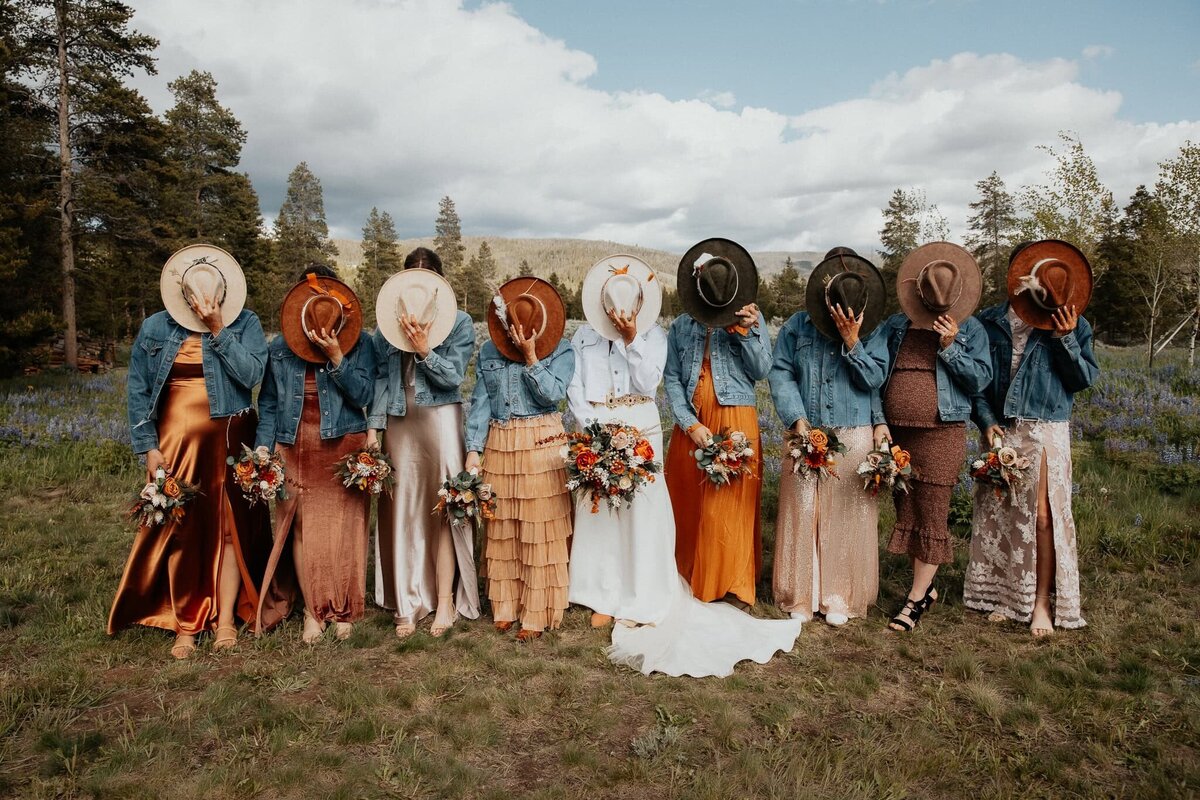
1002	468
812	452
161	500
466	496
725	458
259	474
886	467
367	470
611	461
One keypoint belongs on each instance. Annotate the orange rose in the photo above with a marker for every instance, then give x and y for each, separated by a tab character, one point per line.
366	459
901	457
618	467
644	450
171	488
586	460
244	471
727	445
818	439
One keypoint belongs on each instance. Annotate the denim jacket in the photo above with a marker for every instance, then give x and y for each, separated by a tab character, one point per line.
233	362
738	360
342	392
437	379
1051	371
506	389
818	379
963	368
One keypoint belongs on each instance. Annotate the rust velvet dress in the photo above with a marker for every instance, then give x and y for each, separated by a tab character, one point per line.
717	530
326	517
170	579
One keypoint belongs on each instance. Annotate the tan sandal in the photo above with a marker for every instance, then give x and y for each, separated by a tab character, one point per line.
226	638
343	630
405	630
185	645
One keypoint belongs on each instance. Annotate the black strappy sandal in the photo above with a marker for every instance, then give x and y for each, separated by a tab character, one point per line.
910	614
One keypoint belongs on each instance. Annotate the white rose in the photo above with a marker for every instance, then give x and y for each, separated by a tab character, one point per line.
262	453
625	483
1007	456
148	491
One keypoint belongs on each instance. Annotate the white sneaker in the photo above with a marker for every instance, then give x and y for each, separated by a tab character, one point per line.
836	619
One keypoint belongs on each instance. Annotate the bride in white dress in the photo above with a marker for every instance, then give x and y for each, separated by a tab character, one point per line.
623	561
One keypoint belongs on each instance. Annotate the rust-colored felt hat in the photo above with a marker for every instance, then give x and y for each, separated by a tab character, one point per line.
533	304
1046	276
315	303
938	278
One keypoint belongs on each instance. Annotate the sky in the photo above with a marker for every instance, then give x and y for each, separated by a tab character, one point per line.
782	124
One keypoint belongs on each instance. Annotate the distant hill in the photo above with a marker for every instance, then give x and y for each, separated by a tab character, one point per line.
570	258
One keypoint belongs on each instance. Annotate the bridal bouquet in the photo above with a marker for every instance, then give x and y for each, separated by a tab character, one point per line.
1002	468
611	461
368	470
160	500
886	467
725	458
466	497
259	474
812	452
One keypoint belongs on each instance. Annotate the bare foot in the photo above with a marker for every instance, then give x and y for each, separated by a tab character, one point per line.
601	620
313	628
1041	624
185	645
344	630
444	618
996	616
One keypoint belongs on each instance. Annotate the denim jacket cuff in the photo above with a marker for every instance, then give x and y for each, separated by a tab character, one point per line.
1068	342
377	422
144	444
475	447
953	352
219	340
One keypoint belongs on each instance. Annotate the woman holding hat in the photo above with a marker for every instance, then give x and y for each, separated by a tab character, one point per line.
1023	547
829	365
938	360
191	373
311	407
422	344
521	376
716	352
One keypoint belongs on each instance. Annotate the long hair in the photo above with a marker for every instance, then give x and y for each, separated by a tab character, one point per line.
320	270
424	258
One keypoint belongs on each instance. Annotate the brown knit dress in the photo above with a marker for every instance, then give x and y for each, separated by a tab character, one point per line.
938	450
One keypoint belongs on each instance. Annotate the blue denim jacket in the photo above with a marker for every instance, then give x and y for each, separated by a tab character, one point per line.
233	363
437	380
1051	371
817	379
963	368
505	389
738	361
342	392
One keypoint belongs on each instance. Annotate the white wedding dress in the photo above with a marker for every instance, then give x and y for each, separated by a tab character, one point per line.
623	561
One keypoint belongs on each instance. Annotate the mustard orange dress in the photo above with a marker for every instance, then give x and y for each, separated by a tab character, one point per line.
718	537
170	579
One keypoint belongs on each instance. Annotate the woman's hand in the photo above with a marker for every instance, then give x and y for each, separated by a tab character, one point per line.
1064	321
328	344
154	460
801	426
417	334
882	436
209	312
372	438
625	324
748	316
526	344
700	436
945	327
992	433
473	463
847	324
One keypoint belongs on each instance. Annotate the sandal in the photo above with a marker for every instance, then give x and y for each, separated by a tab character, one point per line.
528	635
910	614
437	630
405	630
226	638
185	645
343	630
503	627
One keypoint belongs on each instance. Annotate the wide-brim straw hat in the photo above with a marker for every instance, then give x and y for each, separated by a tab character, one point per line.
1045	276
938	278
624	284
716	278
202	270
421	294
535	305
848	279
314	303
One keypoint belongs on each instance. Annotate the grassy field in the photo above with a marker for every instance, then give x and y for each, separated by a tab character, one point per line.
961	708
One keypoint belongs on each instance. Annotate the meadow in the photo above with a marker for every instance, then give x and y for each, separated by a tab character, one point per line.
962	707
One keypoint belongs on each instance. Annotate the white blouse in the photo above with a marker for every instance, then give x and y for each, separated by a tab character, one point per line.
607	370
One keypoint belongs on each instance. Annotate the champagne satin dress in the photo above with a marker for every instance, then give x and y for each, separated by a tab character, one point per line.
170	579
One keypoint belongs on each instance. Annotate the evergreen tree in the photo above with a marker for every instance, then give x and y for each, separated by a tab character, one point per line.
899	237
381	258
787	287
301	235
991	229
448	244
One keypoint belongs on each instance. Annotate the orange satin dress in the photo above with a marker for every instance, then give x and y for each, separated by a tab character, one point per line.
170	579
718	537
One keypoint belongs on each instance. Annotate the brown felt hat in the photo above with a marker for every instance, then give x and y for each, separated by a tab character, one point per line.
315	303
716	278
1046	276
938	278
848	279
533	304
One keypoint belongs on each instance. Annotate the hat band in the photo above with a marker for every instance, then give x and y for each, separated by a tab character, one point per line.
938	307
304	319
183	280
1032	284
314	284
866	295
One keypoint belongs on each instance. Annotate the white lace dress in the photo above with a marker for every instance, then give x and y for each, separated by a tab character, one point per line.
1002	574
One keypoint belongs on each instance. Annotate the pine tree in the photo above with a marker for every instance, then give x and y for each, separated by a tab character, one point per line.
991	228
899	237
447	240
381	258
476	280
301	234
788	290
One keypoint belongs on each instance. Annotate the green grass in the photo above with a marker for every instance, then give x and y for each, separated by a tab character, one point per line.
961	708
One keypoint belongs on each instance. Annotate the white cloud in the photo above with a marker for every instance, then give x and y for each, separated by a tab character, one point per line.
394	104
1095	51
